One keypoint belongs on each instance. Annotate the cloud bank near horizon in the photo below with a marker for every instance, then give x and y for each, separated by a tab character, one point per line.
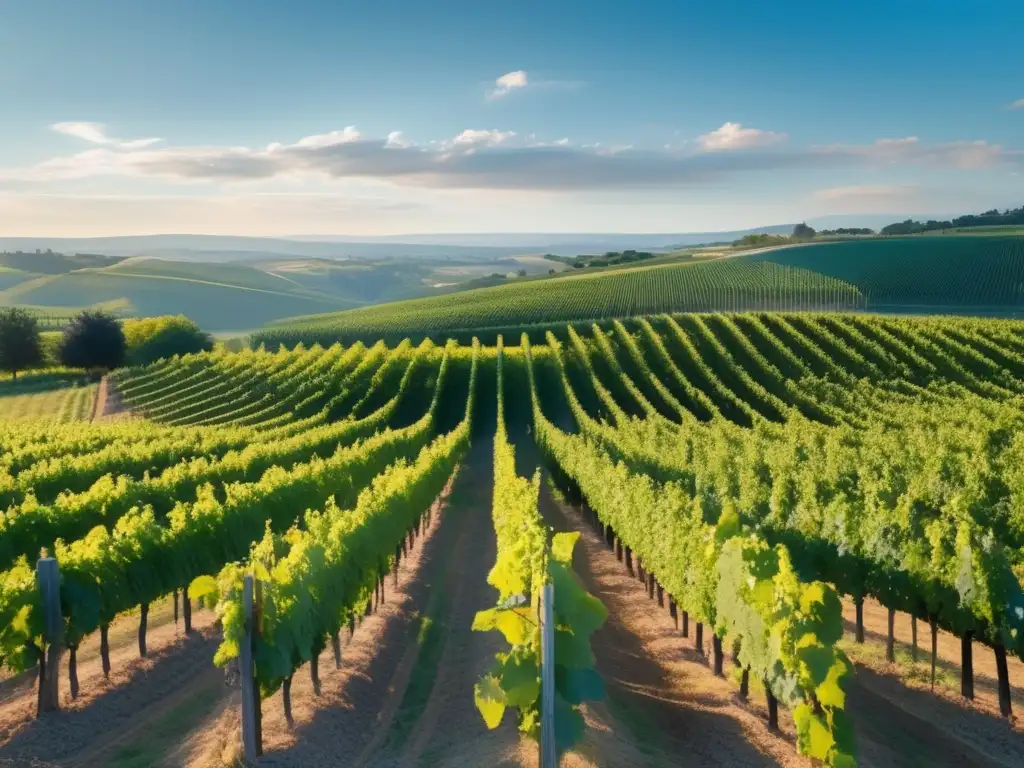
493	159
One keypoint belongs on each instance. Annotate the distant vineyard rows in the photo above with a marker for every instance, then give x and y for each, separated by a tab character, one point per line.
751	467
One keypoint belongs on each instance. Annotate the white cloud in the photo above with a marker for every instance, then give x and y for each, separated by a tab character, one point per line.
959	155
95	133
865	192
1018	104
333	138
507	83
733	136
495	159
491	138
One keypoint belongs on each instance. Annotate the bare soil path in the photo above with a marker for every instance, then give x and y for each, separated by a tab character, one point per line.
404	693
897	723
906	711
126	720
664	707
109	403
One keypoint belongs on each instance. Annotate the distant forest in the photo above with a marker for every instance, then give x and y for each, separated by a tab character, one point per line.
52	263
605	260
1008	218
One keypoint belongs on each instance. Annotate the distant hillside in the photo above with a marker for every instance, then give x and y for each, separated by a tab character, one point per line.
221	248
931	273
920	274
218	297
521	304
53	263
242	296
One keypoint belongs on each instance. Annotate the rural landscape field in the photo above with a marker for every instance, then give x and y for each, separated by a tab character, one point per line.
575	385
793	527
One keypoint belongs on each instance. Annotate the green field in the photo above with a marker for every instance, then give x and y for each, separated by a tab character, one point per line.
754	470
678	286
922	275
59	396
218	297
12	277
978	272
235	297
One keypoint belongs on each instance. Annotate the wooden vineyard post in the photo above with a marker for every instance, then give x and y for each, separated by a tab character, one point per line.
548	752
935	646
1003	673
336	646
143	622
105	649
860	619
48	576
186	609
890	640
252	745
719	656
773	707
913	637
967	665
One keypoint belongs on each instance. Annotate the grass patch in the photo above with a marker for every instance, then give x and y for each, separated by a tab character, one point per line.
947	675
430	632
166	732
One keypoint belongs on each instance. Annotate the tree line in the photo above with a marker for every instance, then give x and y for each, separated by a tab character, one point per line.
1011	217
96	341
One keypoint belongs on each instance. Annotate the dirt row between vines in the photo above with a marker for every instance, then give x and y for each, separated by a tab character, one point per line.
142	696
403	694
898	720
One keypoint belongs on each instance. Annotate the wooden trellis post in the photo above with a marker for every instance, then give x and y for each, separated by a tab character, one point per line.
48	576
548	751
252	741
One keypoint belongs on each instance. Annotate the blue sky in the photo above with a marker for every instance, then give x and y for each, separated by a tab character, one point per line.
389	117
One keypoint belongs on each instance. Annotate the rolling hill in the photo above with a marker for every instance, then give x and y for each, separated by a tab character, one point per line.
218	297
668	287
975	271
915	274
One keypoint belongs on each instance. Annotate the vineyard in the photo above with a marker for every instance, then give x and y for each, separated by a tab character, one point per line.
982	272
756	479
914	274
61	397
691	287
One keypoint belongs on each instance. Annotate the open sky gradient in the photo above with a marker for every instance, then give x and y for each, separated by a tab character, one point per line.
272	118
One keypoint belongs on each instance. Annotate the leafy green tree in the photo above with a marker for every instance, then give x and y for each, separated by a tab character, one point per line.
94	340
152	338
803	232
20	347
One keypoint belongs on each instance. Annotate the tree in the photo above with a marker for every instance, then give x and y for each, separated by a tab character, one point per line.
521	273
93	340
803	232
152	338
20	345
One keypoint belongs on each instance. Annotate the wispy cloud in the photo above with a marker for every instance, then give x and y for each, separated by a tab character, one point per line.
960	155
733	136
496	159
510	81
95	133
521	81
1018	104
862	192
492	138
